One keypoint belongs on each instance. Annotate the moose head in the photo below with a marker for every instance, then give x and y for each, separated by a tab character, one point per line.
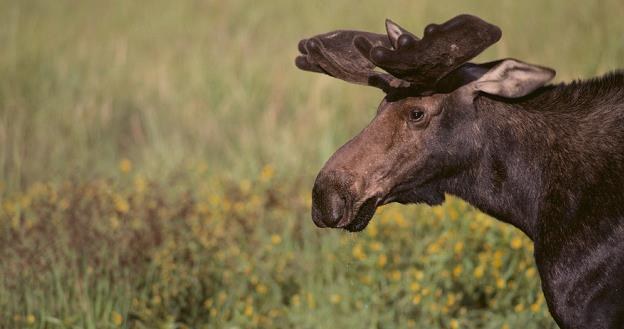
427	129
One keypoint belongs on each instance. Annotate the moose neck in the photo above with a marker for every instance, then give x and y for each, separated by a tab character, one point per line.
543	161
504	178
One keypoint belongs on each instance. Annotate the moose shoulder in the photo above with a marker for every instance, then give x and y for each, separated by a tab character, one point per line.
546	159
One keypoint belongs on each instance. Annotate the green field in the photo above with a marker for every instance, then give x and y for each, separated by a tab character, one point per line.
156	162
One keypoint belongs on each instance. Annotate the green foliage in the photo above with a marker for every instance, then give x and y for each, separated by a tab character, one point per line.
87	83
133	191
223	253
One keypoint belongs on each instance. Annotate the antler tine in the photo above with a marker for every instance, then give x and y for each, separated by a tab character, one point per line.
334	54
395	31
442	49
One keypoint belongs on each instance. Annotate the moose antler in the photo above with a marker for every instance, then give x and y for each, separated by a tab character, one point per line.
333	53
411	63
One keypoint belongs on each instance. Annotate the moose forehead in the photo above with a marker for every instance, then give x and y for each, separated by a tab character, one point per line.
428	103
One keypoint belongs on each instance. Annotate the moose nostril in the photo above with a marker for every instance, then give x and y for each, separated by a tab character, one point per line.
335	210
327	205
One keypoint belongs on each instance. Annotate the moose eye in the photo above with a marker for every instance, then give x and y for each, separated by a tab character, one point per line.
416	115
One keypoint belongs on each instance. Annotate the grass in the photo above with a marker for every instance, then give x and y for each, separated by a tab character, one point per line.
221	253
135	191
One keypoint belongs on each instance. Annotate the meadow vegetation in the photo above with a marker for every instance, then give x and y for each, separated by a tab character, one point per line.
156	162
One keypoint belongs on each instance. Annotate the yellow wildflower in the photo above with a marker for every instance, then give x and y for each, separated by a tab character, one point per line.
376	246
274	313
64	204
500	283
530	273
433	248
395	275
249	311
276	239
311	301
478	272
372	230
335	298
474	225
454	324
451	299
383	259
416	300
266	173
453	214
535	307
221	297
519	308
457	271
458	247
295	300
366	279
414	286
139	184
358	252
438	212
116	318
498	259
399	219
262	289
516	243
121	204
125	165
30	319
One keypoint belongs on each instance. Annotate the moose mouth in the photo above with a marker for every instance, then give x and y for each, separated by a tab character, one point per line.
363	216
367	210
409	195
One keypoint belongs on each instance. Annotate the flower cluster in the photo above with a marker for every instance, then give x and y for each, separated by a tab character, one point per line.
197	251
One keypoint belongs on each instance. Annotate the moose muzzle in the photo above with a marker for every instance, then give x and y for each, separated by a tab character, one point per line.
329	200
336	204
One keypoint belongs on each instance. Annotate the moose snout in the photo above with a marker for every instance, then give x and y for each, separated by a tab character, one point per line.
328	200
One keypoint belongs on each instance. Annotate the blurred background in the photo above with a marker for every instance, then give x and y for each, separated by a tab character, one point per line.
157	157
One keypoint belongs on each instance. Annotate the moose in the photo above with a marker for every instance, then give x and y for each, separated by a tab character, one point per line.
547	159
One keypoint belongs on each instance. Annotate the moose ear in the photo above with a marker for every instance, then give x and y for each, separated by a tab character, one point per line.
512	78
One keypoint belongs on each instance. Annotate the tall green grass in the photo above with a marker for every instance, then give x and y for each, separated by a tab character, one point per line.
193	99
217	253
163	83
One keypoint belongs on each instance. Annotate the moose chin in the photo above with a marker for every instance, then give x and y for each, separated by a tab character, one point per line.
547	159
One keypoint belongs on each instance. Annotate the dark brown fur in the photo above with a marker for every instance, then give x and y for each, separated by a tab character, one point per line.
548	160
551	164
